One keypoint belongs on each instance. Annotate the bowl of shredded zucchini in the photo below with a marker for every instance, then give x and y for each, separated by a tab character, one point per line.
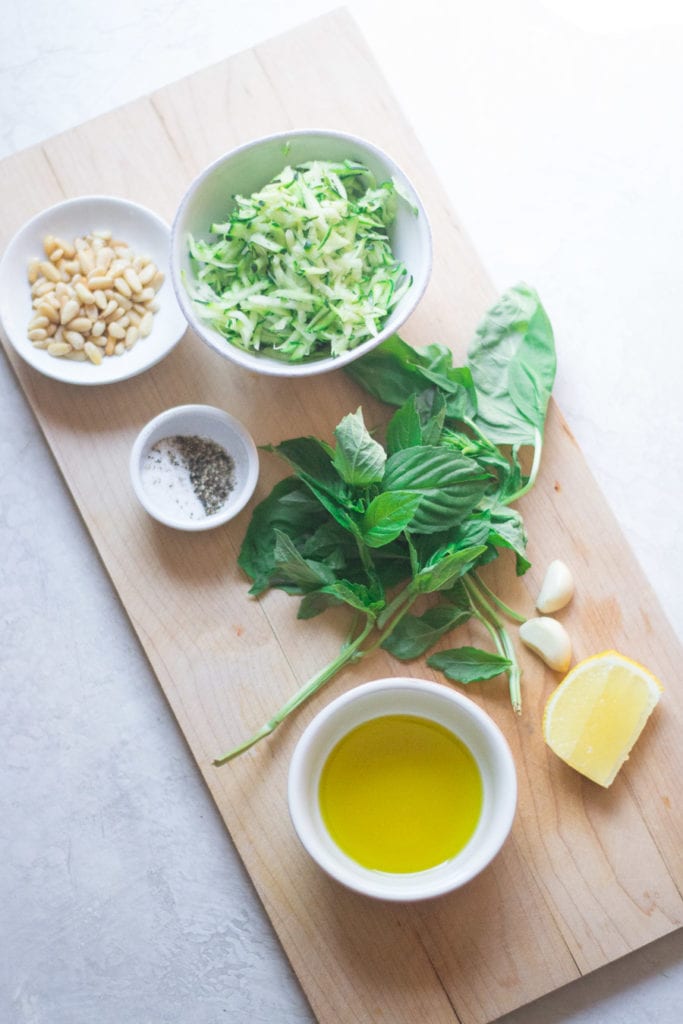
297	253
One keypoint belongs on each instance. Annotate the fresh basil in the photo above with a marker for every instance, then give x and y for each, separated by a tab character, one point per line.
414	634
358	459
512	361
469	664
383	523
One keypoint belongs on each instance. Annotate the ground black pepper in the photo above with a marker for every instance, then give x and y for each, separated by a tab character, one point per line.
211	469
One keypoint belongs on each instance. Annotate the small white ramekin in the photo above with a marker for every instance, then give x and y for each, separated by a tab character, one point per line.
202	421
437	703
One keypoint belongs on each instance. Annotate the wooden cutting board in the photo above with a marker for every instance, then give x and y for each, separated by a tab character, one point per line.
587	875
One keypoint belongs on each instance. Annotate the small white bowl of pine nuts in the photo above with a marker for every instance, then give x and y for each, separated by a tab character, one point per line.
84	291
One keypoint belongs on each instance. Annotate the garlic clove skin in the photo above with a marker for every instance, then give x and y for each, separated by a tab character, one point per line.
557	590
549	639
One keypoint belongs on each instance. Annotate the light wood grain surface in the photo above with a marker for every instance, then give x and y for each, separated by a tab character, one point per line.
588	874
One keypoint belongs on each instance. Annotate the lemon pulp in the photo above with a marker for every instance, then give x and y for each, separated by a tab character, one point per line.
400	793
595	716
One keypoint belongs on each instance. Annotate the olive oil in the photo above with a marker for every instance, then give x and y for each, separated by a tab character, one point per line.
400	793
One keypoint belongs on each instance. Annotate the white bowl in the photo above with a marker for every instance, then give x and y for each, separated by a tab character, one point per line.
201	421
248	168
424	699
144	231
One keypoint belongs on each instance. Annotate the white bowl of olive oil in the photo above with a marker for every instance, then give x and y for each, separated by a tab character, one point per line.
402	789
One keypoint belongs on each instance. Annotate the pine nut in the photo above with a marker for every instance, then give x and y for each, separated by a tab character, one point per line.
158	280
75	339
56	255
77	356
49	271
114	331
132	279
69	249
100	299
147	273
119	349
38	321
100	281
58	348
97	329
69	311
122	286
109	347
50	243
41	287
83	324
146	295
83	292
146	324
40	344
33	270
104	258
86	261
38	334
93	353
110	308
132	335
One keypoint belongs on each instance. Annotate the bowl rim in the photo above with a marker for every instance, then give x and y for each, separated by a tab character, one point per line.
125	370
266	364
416	885
171	415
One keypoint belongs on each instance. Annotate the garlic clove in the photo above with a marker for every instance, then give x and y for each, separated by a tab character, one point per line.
557	589
549	639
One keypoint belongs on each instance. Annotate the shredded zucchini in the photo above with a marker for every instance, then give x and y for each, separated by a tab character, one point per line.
303	268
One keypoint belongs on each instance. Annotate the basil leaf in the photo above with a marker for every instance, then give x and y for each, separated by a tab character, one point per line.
450	484
311	460
357	595
394	371
358	458
293	572
431	408
335	508
404	429
446	571
512	360
387	517
469	664
508	531
291	508
389	372
430	548
532	372
414	635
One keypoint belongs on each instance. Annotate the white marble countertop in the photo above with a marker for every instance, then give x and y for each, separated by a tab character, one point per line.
557	129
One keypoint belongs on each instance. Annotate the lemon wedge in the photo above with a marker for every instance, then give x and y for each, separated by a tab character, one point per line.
597	713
